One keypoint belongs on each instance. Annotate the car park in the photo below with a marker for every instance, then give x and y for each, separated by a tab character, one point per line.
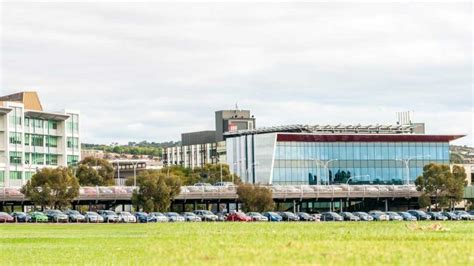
272	216
379	216
191	217
464	215
451	216
206	215
407	216
93	217
363	216
257	217
6	218
74	216
393	216
420	215
38	217
160	217
56	216
438	216
21	217
349	216
126	217
303	216
109	216
238	217
174	217
331	216
289	216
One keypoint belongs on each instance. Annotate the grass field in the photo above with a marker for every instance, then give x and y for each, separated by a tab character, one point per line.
238	243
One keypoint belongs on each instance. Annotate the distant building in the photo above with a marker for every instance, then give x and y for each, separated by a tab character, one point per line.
31	138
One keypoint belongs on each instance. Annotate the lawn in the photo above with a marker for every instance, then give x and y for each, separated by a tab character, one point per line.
327	243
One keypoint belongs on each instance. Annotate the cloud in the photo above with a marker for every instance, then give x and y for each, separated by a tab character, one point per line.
154	70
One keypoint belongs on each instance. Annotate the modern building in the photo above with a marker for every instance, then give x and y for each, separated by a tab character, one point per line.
297	155
31	138
208	147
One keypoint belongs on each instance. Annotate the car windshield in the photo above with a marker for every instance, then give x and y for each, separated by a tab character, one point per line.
461	212
189	214
172	214
109	213
126	214
272	213
73	212
91	213
208	212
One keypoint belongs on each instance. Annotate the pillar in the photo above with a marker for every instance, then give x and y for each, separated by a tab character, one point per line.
228	206
195	205
183	207
386	205
340	206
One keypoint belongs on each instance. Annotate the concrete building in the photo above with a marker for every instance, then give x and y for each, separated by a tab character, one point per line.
31	138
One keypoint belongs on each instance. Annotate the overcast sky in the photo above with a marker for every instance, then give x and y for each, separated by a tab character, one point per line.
151	71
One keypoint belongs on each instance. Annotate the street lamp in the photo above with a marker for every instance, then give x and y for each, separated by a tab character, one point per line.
407	163
135	164
325	164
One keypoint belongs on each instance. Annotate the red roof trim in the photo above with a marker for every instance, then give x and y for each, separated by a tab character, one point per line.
366	138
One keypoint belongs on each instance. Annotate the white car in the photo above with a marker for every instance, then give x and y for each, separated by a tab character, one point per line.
126	217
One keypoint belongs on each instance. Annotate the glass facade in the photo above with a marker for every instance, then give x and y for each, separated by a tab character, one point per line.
298	163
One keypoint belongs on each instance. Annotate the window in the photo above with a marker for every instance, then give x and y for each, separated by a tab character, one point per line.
15	157
72	124
15	138
27	139
72	159
15	175
37	158
51	159
52	124
37	140
15	116
2	178
73	143
51	141
38	123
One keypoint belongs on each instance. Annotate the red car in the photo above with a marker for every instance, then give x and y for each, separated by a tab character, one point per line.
6	218
238	217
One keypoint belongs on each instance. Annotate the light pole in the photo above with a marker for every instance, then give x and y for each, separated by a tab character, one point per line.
135	164
325	164
407	163
220	165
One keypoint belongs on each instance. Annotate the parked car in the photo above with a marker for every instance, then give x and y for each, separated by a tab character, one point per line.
452	216
191	217
74	216
393	216
257	217
221	216
206	215
93	217
6	218
464	215
438	216
316	216
56	216
38	217
238	217
126	217
407	216
109	216
303	216
21	217
363	216
272	216
349	216
379	216
224	184
206	187
420	215
143	217
160	217
174	217
331	216
289	216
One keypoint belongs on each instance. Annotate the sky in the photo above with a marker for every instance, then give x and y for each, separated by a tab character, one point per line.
151	71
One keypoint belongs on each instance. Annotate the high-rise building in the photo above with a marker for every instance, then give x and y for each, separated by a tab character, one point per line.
31	138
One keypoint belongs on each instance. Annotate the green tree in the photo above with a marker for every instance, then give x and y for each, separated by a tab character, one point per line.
438	183
52	187
156	190
95	172
255	197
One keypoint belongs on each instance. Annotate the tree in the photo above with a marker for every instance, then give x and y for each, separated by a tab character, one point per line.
155	191
95	172
441	185
255	197
209	173
52	187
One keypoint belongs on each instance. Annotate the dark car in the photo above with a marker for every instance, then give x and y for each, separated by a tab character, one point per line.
75	216
349	216
393	216
305	217
420	215
407	216
109	216
438	216
464	215
21	217
289	216
272	216
143	217
6	218
331	216
451	216
363	216
56	216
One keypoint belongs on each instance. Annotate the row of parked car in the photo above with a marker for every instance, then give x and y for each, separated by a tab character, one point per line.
108	216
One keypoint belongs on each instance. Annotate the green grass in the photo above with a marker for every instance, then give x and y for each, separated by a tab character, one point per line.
237	243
